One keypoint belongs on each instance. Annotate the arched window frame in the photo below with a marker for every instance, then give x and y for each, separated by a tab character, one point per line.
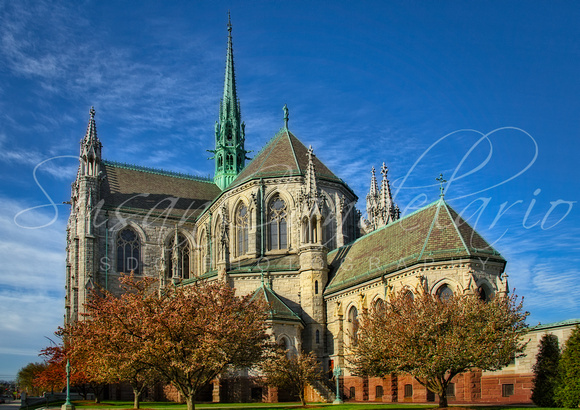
202	253
444	292
184	256
242	228
352	318
128	244
277	217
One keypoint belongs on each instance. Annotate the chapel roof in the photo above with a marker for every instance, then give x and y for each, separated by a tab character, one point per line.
283	155
278	310
433	233
141	189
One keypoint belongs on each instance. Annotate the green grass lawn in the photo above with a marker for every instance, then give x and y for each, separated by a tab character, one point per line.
122	405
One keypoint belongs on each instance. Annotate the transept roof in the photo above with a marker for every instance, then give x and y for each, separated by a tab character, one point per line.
433	233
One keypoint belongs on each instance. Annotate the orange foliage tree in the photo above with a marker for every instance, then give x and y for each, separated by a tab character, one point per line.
434	339
185	336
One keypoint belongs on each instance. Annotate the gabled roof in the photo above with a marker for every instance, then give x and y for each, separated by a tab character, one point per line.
433	233
143	189
278	310
283	155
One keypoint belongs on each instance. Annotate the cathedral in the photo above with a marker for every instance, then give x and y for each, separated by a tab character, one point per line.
281	226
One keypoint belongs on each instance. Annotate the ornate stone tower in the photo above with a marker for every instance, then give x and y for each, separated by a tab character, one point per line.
313	267
381	210
82	241
229	153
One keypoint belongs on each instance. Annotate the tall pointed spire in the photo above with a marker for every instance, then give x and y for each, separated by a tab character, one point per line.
229	153
90	156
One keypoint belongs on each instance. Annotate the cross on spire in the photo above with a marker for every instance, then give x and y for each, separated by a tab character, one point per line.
441	182
286	117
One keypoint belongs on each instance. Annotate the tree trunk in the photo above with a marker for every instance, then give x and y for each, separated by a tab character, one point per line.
190	402
136	397
443	398
301	395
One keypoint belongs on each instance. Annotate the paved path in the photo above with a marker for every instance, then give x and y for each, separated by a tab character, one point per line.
13	405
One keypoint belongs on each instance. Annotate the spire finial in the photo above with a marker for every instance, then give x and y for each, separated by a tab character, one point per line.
441	182
92	113
229	22
287	117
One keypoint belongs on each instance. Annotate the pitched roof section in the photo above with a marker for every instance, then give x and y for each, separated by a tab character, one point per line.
283	155
142	189
430	234
278	310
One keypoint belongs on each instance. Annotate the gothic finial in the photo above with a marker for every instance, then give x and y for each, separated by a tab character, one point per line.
384	171
441	182
286	117
374	188
229	22
92	113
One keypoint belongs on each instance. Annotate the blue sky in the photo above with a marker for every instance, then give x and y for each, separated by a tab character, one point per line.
484	92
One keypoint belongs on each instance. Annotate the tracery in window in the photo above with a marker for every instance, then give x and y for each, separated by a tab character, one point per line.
242	227
128	251
277	224
329	228
183	254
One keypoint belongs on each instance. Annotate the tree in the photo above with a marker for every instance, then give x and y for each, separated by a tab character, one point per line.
568	388
546	371
187	335
294	372
27	375
433	339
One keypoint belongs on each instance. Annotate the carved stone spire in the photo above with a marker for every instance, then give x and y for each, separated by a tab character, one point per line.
229	153
381	209
311	186
90	156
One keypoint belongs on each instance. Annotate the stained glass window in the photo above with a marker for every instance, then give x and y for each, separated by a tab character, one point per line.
128	251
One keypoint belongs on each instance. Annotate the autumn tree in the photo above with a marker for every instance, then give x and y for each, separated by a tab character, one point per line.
433	340
294	372
546	371
26	377
187	335
568	388
102	342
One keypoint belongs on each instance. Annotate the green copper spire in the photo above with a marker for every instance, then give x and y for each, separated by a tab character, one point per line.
229	153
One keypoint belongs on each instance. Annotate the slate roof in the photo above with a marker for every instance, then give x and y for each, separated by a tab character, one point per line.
141	189
278	310
283	155
433	233
270	263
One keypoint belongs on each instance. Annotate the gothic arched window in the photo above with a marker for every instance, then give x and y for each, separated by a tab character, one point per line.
444	292
242	227
353	324
181	254
203	256
317	337
379	305
128	251
277	224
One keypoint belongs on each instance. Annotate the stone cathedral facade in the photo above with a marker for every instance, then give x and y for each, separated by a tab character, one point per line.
281	226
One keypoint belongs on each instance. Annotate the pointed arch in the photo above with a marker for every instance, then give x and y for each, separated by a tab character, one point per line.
202	253
241	227
128	247
352	318
277	211
178	257
329	223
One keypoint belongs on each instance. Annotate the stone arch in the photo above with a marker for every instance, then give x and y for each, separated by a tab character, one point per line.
444	282
485	290
202	254
352	318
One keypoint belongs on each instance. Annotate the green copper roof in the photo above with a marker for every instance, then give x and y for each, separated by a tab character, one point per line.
229	152
433	233
283	155
547	326
278	310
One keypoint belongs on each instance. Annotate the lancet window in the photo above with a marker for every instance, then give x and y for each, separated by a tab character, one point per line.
444	292
242	227
203	255
277	224
128	251
353	324
178	258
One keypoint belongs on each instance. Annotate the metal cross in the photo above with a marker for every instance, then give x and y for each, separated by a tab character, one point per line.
441	181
